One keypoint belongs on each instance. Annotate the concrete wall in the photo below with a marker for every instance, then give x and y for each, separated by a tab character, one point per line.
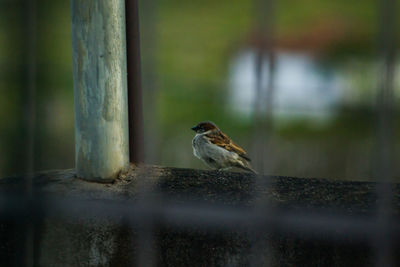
79	233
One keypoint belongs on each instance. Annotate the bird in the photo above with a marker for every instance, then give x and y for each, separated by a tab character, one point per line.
217	150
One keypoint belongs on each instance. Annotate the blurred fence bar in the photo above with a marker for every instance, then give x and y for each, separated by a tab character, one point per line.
100	87
264	67
385	162
28	253
265	23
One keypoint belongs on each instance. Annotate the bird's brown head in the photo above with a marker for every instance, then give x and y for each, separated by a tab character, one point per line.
204	127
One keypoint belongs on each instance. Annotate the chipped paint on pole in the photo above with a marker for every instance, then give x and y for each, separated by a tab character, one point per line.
100	88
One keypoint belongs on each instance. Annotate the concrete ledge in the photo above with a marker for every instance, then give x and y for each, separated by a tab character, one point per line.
211	219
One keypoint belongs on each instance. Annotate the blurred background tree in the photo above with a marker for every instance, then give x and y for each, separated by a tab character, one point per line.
198	61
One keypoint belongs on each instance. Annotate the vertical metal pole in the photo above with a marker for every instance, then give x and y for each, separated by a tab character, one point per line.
136	143
100	87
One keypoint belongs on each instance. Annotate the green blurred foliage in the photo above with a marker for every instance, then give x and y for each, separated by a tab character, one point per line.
187	50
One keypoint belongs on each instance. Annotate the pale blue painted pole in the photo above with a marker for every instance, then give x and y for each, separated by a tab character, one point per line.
100	89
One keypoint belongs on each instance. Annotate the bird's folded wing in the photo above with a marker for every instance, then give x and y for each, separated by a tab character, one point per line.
222	140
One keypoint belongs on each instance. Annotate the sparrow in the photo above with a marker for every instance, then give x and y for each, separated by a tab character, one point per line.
217	150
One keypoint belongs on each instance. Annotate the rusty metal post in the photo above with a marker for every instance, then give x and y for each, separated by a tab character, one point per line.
100	88
136	143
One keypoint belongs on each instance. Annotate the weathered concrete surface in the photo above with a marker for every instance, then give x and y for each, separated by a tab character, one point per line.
107	240
100	88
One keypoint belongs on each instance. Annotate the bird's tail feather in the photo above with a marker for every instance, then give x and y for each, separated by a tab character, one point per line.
246	166
251	170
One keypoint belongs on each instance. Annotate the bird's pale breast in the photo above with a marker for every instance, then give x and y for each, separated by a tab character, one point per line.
213	155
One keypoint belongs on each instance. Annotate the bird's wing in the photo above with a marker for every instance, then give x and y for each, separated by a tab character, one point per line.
222	140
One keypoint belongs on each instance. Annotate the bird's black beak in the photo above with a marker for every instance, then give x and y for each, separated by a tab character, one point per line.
195	128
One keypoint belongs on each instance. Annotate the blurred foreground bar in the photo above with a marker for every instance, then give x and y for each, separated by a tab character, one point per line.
200	218
100	89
